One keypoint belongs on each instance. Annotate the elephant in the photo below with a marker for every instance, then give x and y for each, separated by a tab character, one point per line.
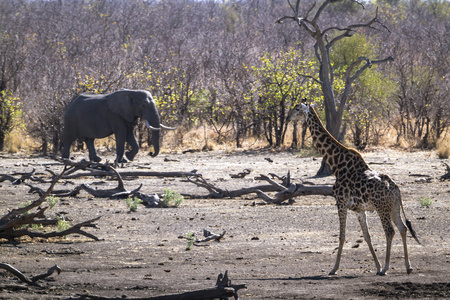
90	116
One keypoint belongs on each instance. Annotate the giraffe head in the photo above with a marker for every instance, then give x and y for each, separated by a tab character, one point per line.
305	108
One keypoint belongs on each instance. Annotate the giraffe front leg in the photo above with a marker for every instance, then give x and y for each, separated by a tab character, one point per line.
342	212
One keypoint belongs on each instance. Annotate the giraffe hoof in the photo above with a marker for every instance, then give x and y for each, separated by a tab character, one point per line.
381	273
409	270
332	273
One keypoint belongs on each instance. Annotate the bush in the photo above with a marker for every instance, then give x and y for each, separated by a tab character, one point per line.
171	199
425	201
443	149
133	203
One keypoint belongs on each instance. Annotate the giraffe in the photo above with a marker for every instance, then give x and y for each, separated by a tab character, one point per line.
360	189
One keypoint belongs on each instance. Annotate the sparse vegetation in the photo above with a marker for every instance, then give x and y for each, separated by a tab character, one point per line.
425	201
62	224
22	205
171	199
52	201
443	148
133	203
190	236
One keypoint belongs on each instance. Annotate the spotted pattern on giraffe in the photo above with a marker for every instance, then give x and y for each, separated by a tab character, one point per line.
358	188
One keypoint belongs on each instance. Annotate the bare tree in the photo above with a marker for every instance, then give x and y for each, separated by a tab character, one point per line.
310	20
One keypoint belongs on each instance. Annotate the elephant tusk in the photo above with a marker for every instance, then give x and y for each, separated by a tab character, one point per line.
151	127
168	128
161	126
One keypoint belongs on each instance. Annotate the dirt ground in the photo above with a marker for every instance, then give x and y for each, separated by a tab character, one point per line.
278	251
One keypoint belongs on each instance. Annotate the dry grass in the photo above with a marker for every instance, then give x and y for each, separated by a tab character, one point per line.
443	147
18	141
205	138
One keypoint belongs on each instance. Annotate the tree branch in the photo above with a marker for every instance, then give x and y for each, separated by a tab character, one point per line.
33	280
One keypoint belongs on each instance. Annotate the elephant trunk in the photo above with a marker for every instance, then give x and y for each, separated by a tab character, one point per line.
155	143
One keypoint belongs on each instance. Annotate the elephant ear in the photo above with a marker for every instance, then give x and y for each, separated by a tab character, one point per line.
121	103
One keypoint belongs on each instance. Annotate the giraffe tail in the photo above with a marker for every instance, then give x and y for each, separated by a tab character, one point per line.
409	225
413	232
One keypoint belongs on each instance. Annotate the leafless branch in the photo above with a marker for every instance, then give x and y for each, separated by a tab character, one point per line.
33	281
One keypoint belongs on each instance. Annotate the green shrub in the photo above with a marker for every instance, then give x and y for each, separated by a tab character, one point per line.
190	236
52	201
133	203
62	224
425	201
171	199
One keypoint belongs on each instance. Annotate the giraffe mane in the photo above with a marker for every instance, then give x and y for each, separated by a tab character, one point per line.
313	111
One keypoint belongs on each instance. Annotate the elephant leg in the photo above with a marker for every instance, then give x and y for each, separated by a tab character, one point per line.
92	153
120	147
133	143
66	149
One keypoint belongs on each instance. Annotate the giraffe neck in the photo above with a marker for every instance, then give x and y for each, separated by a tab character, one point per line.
339	158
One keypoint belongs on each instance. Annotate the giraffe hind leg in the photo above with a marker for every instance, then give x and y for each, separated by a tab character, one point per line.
389	232
403	230
365	229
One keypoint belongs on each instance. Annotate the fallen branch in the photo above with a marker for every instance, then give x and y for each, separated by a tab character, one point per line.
289	190
18	221
217	193
447	175
210	236
285	190
98	169
22	178
33	281
76	229
132	174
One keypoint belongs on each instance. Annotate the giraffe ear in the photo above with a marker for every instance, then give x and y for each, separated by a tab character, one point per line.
305	108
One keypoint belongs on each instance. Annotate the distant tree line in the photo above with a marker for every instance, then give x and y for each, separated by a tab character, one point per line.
224	64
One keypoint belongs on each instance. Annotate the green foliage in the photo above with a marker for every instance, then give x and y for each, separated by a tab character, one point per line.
425	201
22	205
171	199
349	50
370	100
52	201
282	80
62	224
37	227
10	115
133	203
190	236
